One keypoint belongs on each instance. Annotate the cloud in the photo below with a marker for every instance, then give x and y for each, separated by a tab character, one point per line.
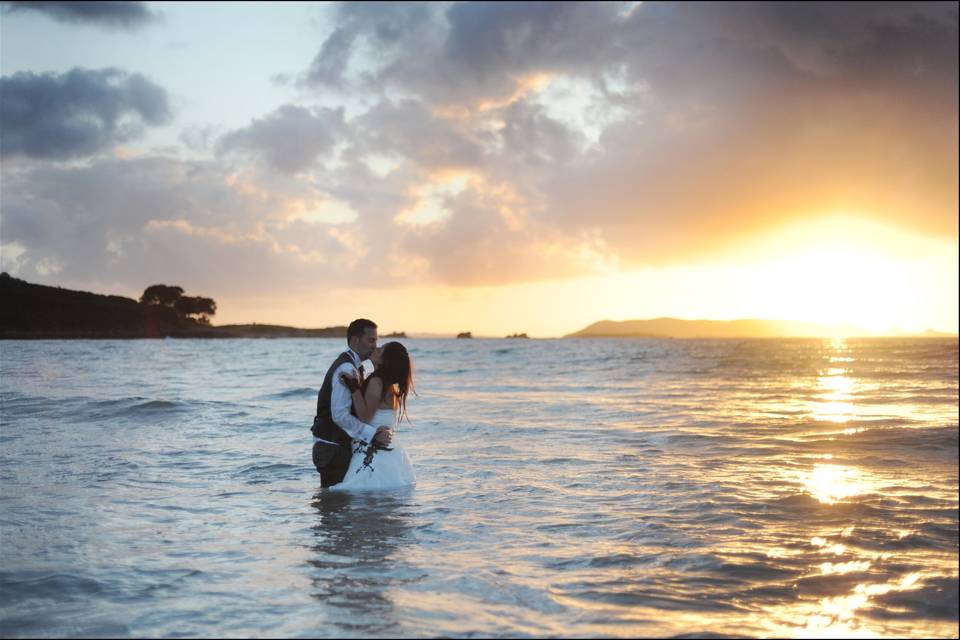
123	15
487	239
79	113
408	129
147	219
768	113
506	142
369	29
710	122
290	139
460	53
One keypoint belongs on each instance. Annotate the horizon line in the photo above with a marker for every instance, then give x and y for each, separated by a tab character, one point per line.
859	332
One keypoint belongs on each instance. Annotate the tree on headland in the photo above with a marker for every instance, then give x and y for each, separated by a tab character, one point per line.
202	308
195	308
161	294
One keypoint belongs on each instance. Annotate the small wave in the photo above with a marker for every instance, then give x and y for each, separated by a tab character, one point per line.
755	571
299	392
260	473
622	560
17	405
16	586
270	468
932	438
949	396
918	540
936	598
129	407
157	405
609	594
822	586
936	535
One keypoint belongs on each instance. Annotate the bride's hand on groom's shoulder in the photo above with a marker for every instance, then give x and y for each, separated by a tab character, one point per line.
349	382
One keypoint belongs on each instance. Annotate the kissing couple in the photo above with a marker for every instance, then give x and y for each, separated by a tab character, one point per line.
353	446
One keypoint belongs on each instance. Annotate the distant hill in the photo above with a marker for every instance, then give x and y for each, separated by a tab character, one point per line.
32	311
674	328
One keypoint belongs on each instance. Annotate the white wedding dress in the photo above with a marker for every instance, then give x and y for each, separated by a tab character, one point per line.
386	469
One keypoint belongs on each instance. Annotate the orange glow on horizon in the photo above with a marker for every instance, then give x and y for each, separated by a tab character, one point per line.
838	271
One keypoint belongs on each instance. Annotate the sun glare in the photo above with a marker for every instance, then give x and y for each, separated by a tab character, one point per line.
835	285
846	271
831	483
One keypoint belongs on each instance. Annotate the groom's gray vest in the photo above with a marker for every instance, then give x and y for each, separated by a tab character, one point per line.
323	424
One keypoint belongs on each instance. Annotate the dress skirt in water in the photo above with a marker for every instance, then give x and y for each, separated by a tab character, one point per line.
386	469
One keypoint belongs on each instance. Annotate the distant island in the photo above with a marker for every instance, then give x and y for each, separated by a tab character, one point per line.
674	328
465	334
517	335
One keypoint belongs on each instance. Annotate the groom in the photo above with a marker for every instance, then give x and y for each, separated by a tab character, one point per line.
336	423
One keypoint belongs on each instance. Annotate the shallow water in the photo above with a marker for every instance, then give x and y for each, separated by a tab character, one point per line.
566	488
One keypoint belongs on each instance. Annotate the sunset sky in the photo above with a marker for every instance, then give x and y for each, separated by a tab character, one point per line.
489	167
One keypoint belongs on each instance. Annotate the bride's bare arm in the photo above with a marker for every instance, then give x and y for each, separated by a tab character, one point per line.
366	403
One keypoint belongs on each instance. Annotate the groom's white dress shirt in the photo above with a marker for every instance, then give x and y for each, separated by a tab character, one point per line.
341	401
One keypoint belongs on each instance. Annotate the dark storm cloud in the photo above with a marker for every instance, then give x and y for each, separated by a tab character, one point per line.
124	15
79	113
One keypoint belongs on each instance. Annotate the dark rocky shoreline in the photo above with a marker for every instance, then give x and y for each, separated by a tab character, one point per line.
39	312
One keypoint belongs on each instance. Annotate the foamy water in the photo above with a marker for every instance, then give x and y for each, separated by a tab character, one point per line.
566	488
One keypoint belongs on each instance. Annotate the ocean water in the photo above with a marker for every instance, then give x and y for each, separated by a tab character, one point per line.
617	488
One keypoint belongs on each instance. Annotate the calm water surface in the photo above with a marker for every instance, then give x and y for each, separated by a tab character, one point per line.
566	488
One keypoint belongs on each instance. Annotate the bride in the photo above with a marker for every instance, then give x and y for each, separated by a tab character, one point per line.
381	400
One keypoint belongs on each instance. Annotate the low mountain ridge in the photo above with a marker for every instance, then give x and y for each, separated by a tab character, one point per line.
750	328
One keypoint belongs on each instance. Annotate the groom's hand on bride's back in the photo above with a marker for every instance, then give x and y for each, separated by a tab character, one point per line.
349	382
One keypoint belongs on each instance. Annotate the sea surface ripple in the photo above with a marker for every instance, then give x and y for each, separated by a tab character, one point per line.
574	488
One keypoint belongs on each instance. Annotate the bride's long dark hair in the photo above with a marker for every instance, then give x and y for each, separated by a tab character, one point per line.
395	369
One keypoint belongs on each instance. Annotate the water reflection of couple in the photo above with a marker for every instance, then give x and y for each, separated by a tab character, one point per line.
355	576
353	445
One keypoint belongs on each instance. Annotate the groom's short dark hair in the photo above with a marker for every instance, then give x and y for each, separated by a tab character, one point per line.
358	327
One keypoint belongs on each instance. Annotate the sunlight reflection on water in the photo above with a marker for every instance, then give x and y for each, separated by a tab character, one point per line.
831	483
839	616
